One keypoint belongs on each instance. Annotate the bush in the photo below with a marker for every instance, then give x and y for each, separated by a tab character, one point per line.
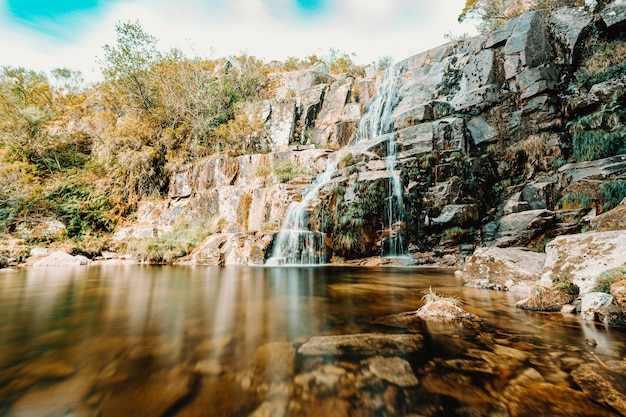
604	64
287	170
600	134
609	277
179	242
613	193
562	282
575	200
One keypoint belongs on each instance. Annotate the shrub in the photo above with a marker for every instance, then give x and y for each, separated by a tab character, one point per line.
270	226
347	160
285	171
262	171
353	169
600	134
177	243
609	277
575	200
562	282
604	64
613	193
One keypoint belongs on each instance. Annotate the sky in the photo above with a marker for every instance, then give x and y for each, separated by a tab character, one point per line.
46	34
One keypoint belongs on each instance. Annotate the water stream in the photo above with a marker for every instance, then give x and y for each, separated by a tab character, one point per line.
208	341
377	122
295	244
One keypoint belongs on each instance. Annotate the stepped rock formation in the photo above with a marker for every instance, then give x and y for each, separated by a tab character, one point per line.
454	120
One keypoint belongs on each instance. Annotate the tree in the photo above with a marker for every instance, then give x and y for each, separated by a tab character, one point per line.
127	65
493	13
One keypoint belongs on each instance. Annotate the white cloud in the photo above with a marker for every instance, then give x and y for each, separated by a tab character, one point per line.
270	29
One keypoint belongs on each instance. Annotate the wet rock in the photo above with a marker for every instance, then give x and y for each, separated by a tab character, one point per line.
466	365
457	215
223	396
593	303
458	386
60	258
59	399
542	398
600	386
366	344
519	229
43	369
395	370
511	269
444	309
570	25
583	257
527	376
408	320
275	408
618	291
153	396
614	15
322	407
274	361
611	220
209	367
600	306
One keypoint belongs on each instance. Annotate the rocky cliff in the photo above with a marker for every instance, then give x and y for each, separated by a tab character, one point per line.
473	143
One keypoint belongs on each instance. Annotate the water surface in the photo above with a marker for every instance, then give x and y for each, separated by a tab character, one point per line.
203	341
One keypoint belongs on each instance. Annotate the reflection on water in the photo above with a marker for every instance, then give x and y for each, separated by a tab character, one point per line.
168	341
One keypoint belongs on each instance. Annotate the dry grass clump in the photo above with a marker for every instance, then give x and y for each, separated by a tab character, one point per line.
544	298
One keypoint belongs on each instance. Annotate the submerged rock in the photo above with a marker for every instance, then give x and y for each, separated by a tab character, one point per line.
600	387
366	344
395	370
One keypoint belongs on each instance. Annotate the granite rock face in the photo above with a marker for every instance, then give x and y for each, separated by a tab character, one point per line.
463	136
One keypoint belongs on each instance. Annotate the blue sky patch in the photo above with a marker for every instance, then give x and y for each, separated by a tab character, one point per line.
311	5
37	9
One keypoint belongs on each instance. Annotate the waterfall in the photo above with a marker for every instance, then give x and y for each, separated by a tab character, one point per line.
377	122
295	244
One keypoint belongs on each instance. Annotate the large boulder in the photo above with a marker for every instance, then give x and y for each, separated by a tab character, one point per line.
364	345
583	257
232	249
599	306
570	25
60	258
520	229
614	15
611	220
509	269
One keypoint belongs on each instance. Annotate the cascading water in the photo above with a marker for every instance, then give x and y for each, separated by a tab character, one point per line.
377	122
295	244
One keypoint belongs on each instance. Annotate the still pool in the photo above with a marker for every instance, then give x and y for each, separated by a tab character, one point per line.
289	341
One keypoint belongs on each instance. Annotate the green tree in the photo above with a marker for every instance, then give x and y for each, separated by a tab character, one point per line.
128	65
493	13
